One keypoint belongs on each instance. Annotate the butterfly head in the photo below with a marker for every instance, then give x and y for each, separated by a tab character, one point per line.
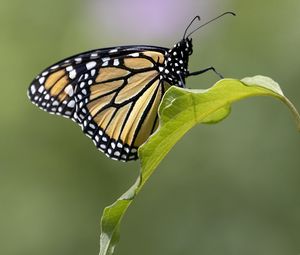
175	68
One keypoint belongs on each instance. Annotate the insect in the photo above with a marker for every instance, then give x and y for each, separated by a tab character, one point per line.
114	93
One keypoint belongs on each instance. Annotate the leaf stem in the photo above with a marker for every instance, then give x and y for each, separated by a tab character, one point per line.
293	110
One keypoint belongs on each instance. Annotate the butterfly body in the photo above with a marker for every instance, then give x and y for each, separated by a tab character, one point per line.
113	93
176	63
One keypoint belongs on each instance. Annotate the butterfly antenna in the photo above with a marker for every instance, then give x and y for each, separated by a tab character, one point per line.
187	28
223	14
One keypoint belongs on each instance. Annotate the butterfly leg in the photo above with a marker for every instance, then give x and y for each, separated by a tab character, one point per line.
181	83
211	68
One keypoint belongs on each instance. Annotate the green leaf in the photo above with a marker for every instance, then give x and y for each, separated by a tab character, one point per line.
180	110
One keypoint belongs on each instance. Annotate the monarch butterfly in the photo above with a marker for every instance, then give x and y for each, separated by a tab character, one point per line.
114	93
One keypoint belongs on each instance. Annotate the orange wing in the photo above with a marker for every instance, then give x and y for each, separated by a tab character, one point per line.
112	93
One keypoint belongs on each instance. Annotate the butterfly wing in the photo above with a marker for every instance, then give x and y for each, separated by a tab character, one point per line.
112	93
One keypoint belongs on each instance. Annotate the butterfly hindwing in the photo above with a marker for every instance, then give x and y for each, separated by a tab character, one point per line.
117	108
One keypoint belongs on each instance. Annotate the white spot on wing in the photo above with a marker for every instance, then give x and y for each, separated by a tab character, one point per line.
136	54
41	89
113	50
72	74
69	90
90	65
105	63
117	153
41	80
92	126
32	89
105	59
69	68
54	67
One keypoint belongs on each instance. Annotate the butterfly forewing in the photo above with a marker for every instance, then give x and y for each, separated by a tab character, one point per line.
53	91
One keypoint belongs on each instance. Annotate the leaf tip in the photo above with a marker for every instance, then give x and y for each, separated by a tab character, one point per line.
263	81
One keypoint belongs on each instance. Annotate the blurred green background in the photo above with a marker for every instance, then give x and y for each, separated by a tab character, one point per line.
227	189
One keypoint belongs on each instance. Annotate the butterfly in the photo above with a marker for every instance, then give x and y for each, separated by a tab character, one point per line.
114	93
